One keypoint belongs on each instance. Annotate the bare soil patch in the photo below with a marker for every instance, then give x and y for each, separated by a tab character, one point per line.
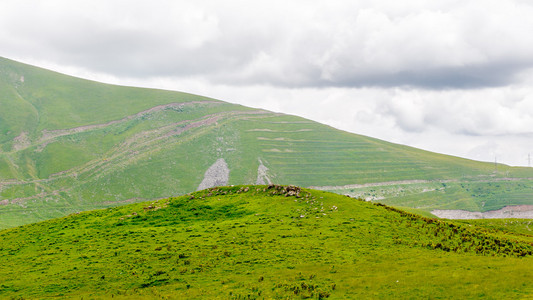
514	211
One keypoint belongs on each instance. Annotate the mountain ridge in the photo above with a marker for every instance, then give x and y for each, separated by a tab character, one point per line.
68	144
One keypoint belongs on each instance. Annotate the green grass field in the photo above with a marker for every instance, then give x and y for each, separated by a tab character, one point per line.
262	242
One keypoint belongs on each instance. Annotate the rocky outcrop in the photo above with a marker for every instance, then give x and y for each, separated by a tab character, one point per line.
262	177
216	175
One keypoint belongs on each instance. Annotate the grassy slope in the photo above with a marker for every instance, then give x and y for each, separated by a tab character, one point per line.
258	242
469	194
519	228
130	156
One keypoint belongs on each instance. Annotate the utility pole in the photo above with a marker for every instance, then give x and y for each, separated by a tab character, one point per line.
529	159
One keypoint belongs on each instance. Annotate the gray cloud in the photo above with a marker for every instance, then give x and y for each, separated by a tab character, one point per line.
446	44
481	112
467	77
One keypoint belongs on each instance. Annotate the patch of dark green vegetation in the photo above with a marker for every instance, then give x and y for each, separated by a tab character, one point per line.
517	228
261	242
456	237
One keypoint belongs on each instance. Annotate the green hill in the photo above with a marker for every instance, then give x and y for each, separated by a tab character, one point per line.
248	242
69	145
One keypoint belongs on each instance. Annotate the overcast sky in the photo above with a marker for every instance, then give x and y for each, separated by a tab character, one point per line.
454	77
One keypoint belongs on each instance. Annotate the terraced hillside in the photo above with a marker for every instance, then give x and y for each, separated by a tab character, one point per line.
255	242
68	145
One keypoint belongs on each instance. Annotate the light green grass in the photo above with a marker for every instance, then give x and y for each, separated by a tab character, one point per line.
257	242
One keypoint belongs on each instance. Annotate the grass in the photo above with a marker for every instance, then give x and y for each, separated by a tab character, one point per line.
261	242
468	194
131	156
518	228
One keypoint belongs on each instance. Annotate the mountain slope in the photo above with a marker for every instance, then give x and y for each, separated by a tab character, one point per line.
68	144
261	242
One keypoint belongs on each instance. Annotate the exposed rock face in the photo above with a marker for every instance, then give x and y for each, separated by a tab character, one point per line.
216	175
289	190
517	211
262	177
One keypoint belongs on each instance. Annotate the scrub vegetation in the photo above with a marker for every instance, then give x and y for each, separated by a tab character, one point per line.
262	242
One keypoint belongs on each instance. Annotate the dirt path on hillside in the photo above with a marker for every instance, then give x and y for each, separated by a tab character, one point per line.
136	147
21	142
49	134
412	181
376	184
514	211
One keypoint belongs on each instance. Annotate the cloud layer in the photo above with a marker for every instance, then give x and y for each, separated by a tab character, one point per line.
441	75
443	44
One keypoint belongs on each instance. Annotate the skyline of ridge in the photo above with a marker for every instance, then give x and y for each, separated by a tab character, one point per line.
445	76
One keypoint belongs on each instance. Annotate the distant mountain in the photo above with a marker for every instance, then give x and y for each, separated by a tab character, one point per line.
69	144
255	242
